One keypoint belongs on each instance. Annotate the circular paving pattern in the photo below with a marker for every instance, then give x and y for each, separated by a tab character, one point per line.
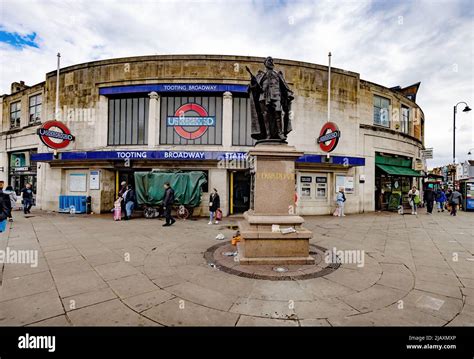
224	257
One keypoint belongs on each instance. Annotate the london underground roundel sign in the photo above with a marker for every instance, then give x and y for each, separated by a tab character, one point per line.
55	134
185	126
329	136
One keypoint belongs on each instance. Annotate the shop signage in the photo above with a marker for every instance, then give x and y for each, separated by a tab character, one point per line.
21	169
427	153
185	126
329	137
418	165
47	135
20	159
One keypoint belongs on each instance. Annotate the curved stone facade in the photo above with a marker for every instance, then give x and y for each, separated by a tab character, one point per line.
88	92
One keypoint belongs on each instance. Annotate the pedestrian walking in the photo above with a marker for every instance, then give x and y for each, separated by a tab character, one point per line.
340	199
454	200
168	201
429	197
27	198
12	194
414	199
129	199
4	209
214	206
440	199
123	188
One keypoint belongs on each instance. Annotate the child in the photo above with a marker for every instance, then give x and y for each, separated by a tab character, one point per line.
118	209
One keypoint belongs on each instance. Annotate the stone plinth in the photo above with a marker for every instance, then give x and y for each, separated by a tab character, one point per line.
274	191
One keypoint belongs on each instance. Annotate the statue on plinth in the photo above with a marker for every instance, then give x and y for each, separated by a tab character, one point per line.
270	104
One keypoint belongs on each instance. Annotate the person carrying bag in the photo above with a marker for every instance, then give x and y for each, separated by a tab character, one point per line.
214	207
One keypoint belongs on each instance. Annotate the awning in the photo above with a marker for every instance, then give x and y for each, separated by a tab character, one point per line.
399	171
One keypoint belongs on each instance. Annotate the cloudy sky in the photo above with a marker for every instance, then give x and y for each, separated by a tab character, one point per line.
387	42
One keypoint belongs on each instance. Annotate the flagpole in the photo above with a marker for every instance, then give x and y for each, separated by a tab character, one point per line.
56	110
329	88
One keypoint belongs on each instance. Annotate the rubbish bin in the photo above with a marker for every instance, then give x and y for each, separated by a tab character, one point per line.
88	204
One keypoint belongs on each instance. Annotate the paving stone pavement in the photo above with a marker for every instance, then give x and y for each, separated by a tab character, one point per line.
417	270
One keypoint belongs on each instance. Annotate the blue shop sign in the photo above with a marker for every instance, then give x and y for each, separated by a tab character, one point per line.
210	88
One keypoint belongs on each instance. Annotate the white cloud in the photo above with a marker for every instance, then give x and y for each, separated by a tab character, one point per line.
391	43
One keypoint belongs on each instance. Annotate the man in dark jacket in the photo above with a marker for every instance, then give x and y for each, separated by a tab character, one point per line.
429	197
168	202
129	199
27	195
454	199
5	207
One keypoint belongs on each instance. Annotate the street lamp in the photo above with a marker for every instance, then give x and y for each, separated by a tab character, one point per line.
466	109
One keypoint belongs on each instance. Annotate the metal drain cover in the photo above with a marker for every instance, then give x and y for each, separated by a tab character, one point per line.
280	269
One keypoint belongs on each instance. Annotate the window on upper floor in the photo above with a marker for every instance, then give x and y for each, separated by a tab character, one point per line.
35	109
241	122
128	121
405	120
381	111
15	114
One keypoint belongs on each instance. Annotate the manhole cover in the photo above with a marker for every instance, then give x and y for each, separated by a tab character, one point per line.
280	269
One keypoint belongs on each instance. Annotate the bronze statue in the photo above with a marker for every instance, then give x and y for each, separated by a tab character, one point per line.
270	104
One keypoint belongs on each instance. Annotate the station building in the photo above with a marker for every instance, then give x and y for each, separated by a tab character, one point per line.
192	112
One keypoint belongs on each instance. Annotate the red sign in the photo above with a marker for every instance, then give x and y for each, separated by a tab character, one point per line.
47	134
179	121
329	137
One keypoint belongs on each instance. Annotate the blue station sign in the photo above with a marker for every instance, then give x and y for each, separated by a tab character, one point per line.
198	87
184	156
141	155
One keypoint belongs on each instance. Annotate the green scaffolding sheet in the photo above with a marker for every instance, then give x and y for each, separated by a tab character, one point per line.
187	187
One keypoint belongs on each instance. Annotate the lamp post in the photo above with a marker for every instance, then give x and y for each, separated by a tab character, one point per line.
466	109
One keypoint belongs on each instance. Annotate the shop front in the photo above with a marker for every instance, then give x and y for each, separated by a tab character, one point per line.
394	177
22	169
98	174
319	178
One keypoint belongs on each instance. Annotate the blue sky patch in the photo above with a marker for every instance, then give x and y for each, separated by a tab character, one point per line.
19	41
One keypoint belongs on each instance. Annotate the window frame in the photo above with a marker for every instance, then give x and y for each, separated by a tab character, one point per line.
405	125
127	120
374	106
17	112
37	119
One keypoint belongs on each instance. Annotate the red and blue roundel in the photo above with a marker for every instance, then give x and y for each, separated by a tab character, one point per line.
329	137
48	135
191	121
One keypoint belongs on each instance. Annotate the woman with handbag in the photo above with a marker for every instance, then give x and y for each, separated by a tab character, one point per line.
214	205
